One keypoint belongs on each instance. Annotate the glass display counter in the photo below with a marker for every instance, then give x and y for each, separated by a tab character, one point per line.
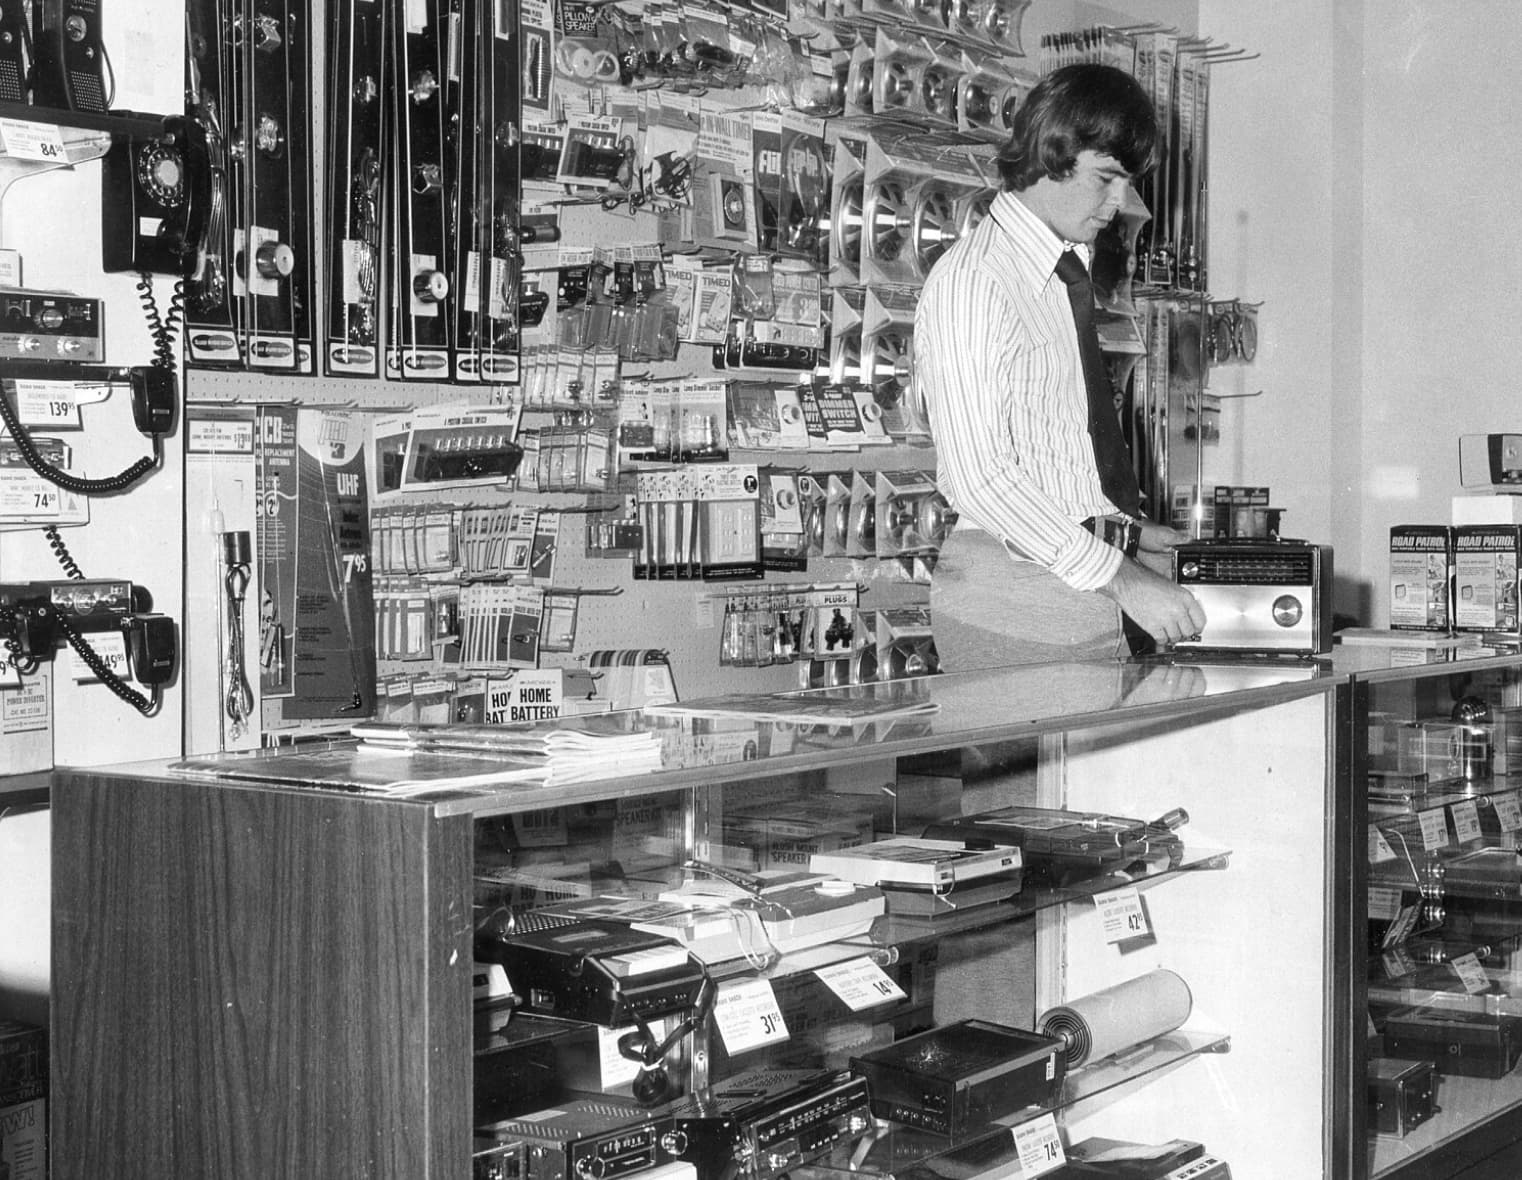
1437	747
1021	922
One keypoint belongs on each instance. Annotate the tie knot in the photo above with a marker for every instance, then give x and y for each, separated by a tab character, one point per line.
1070	268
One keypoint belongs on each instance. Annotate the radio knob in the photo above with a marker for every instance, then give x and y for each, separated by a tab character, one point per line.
75	28
675	1142
431	286
275	260
1190	569
29	344
69	347
593	1168
49	318
1287	610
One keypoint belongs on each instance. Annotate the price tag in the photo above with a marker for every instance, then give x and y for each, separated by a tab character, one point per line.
748	1017
1508	811
1471	974
1434	823
29	498
861	983
1121	915
1379	847
1384	904
111	647
1039	1146
47	404
25	140
1466	821
1397	963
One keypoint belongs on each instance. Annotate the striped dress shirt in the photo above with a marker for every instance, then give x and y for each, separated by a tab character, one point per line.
996	358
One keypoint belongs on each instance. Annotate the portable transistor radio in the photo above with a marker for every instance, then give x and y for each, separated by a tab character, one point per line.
1263	596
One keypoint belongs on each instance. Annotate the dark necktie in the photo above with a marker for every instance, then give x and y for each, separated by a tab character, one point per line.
1111	455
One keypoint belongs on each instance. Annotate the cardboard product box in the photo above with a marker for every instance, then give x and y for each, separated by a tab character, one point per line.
23	1101
1421	568
1485	565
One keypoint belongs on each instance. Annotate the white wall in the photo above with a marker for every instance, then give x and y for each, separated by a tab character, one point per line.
1361	170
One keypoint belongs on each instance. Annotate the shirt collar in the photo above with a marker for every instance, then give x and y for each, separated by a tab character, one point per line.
1039	246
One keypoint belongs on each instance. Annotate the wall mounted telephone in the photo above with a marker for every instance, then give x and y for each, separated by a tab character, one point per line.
70	68
155	194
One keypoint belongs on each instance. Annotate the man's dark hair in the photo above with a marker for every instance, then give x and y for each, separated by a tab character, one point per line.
1079	108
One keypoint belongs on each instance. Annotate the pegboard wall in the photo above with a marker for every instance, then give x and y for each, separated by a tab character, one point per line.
919	181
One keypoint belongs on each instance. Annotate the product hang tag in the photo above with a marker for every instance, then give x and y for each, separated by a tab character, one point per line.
860	983
1471	974
1466	821
1039	1146
747	1016
1384	904
1508	811
1121	916
1379	847
1434	824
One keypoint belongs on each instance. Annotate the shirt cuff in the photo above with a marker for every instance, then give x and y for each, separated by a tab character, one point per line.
1086	562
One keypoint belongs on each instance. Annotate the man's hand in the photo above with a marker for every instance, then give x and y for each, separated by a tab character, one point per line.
1154	546
1160	607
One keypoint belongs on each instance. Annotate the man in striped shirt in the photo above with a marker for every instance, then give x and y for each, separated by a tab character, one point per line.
1027	574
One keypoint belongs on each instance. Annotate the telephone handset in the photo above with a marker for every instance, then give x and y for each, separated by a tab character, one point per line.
155	195
69	70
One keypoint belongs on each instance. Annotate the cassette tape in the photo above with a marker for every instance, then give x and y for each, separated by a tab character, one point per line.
765	1122
956	1079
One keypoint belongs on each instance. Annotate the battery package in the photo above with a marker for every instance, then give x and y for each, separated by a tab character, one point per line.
1402	1095
956	1079
1421	567
1485	564
1469	1044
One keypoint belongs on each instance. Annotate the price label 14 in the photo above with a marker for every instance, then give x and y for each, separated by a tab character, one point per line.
860	983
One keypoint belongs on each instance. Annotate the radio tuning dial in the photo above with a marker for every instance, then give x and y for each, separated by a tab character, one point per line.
275	260
1190	569
675	1142
49	317
593	1168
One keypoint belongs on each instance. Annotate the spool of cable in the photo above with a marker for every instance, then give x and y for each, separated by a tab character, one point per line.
1118	1018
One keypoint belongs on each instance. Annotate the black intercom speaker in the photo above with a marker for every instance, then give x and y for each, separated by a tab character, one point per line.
14	37
154	197
69	71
